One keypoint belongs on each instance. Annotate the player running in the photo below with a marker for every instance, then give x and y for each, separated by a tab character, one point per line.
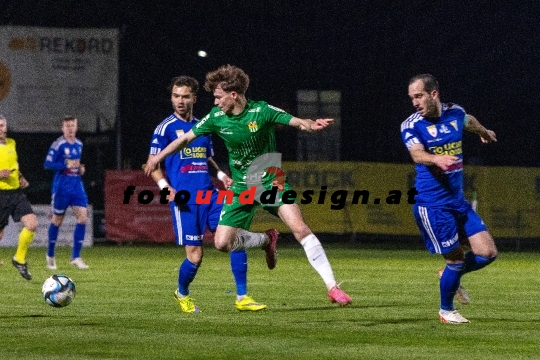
433	135
13	201
247	128
188	170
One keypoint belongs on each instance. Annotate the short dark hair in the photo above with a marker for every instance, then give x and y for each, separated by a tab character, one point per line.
229	78
68	118
430	83
184	80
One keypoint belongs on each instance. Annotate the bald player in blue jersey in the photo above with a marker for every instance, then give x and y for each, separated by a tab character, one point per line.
433	135
64	158
187	170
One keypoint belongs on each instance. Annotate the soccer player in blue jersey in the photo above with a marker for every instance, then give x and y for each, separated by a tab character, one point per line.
64	158
188	170
433	135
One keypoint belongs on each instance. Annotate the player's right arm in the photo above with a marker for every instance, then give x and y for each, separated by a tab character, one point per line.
421	156
174	146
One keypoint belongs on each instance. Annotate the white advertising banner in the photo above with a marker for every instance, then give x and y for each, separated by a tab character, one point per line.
65	235
47	73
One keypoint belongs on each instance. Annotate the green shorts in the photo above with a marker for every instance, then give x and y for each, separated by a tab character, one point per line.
240	215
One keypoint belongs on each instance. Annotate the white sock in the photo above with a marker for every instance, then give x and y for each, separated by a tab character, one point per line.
317	258
245	240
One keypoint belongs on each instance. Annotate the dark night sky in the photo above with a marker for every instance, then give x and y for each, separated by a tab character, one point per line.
486	55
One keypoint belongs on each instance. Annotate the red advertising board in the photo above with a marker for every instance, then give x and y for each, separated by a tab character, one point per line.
135	221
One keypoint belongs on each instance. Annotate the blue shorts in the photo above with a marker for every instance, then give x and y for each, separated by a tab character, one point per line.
68	196
441	227
190	220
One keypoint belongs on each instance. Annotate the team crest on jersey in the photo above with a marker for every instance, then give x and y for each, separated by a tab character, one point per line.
444	129
66	151
253	127
179	132
454	124
432	130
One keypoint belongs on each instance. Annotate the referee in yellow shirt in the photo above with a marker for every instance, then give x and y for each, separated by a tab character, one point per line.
13	201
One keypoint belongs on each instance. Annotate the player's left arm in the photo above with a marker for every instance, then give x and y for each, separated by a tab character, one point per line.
310	125
473	125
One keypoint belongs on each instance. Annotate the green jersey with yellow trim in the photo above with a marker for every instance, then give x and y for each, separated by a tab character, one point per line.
247	135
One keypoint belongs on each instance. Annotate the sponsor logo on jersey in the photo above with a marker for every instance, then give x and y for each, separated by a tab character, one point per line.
253	127
453	148
444	129
432	130
255	110
195	152
193	168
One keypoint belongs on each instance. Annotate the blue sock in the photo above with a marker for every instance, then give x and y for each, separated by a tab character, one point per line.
186	274
449	284
476	262
239	270
53	236
78	238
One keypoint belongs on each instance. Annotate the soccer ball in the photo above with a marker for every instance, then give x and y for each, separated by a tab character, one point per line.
58	290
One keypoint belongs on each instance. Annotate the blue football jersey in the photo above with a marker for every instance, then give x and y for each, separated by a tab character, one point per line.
58	156
186	169
440	136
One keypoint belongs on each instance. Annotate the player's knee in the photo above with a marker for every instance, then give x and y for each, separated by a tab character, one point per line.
222	246
30	222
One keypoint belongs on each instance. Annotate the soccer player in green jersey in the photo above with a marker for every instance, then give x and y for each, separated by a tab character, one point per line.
247	128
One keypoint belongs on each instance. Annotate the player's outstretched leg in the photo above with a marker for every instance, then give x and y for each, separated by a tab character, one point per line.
317	258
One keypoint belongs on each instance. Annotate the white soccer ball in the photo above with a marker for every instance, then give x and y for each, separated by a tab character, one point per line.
58	290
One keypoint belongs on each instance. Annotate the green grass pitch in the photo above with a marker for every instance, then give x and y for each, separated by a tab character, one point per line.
124	308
